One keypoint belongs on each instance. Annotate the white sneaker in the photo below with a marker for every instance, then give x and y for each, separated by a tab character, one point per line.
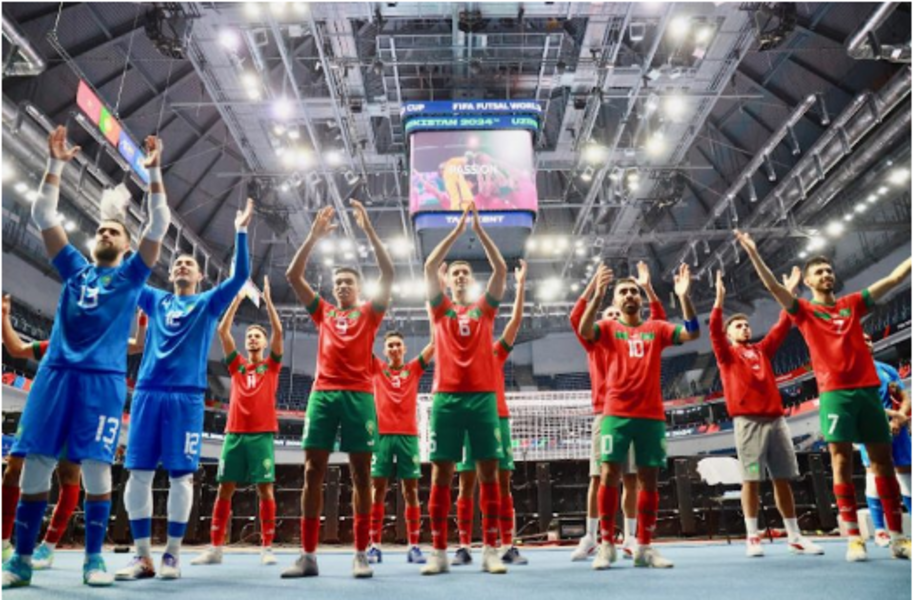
492	562
306	565
436	564
646	556
754	547
802	545
586	547
857	550
630	545
901	548
210	556
882	538
361	568
169	567
267	557
606	556
139	567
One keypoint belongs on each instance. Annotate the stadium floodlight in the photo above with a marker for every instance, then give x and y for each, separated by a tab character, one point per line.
835	229
633	180
327	246
21	187
655	144
8	171
860	207
303	158
252	85
31	195
346	244
284	187
548	244
882	190
705	34
333	157
595	153
531	244
282	108
817	242
674	106
69	225
652	103
802	255
873	198
580	252
278	9
587	174
401	246
229	39
849	216
279	129
252	10
328	262
349	255
575	287
679	27
372	289
899	176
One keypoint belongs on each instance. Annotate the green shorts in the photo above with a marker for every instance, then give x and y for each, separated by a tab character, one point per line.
353	413
854	415
403	448
246	458
506	463
646	435
455	415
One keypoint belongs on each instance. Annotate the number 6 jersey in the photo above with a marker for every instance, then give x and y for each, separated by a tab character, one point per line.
635	353
463	345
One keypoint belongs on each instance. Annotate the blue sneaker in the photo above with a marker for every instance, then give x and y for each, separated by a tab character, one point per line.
94	572
43	557
16	572
415	555
461	557
374	555
513	557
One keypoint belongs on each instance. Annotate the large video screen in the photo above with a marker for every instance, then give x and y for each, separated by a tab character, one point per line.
495	169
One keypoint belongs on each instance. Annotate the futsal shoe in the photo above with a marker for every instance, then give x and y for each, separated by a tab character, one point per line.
7	550
374	555
513	556
210	556
139	567
43	557
168	568
901	548
802	545
491	562
882	538
857	551
648	557
630	545
461	557
437	563
267	556
754	547
16	572
361	568
94	572
415	555
606	556
586	547
306	565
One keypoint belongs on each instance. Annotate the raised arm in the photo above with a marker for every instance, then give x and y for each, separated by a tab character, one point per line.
514	324
880	288
776	336
276	326
782	296
437	257
44	208
899	418
578	310
719	338
682	284
654	303
496	286
11	340
385	264
226	291
159	214
586	327
137	344
224	329
322	226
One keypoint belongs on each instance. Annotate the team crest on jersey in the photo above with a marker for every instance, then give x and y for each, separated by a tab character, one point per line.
106	280
267	464
621	335
370	428
845	312
649	335
498	434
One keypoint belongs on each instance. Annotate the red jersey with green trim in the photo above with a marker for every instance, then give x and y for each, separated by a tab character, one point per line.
634	390
501	350
345	339
841	359
463	345
252	405
39	349
396	391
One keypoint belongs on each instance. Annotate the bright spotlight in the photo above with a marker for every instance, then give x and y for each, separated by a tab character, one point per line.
872	198
252	10
883	190
704	34
8	171
328	262
346	244
655	144
860	207
531	244
674	106
595	153
651	103
327	246
303	158
580	252
401	246
849	217
802	255
899	176
835	229
31	195
229	39
282	108
278	9
372	289
333	157
817	242
678	28
294	134
349	255
69	226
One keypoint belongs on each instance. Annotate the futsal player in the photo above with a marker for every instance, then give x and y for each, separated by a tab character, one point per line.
598	365
634	409
166	413
850	406
341	397
466	469
898	407
464	401
248	451
755	405
396	390
80	388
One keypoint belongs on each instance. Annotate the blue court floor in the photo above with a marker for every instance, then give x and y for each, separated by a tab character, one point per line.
704	571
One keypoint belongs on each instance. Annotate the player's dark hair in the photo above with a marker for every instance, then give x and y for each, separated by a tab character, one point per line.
816	260
355	273
735	317
622	280
459	262
259	328
393	333
119	222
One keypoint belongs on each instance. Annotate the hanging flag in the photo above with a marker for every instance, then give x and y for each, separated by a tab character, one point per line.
252	293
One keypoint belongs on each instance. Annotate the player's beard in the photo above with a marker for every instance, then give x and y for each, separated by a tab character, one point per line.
105	253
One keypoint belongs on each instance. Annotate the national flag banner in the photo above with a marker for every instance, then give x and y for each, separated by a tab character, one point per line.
252	293
110	127
88	102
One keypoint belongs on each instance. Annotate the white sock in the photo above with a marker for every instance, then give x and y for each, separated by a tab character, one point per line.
144	547
629	527
752	526
593	524
173	546
793	530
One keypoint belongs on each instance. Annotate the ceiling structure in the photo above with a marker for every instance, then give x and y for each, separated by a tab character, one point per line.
666	125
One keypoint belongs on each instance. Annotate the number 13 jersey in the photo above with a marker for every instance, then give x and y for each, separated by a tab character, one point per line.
464	361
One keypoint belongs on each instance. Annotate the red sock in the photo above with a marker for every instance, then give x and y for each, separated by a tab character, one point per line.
648	515
465	520
67	500
608	502
489	506
361	526
377	522
848	507
268	521
888	491
222	510
311	529
507	520
413	517
10	502
439	505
